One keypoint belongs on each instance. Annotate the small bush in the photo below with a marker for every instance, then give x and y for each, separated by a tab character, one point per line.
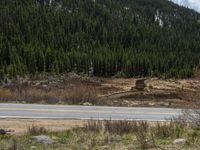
116	127
94	126
144	138
168	130
80	94
5	95
35	130
120	127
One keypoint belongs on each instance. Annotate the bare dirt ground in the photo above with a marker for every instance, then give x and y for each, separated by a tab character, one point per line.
20	126
157	93
83	90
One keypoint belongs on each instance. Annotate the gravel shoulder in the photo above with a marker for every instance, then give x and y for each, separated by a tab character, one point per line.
20	126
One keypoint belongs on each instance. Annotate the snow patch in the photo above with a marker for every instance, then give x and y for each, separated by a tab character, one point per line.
158	18
126	8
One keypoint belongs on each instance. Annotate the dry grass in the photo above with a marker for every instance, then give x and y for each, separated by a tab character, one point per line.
74	94
21	126
99	91
99	135
36	130
80	94
167	130
5	94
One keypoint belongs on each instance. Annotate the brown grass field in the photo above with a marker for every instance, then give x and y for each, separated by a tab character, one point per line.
74	89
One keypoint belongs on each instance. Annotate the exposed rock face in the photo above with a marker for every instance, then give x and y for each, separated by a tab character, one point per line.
43	139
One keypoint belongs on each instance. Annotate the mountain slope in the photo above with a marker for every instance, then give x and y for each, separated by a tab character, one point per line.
98	37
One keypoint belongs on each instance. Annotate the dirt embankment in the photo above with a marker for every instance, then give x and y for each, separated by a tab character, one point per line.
75	89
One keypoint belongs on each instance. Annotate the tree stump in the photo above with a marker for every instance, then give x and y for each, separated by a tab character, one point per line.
140	84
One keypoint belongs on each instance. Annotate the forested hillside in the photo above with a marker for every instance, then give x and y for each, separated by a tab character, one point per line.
98	37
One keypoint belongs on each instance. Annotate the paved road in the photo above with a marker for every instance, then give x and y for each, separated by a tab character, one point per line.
35	111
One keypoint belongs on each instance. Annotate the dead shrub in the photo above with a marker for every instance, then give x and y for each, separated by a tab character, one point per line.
121	127
142	140
143	136
75	93
5	94
80	94
117	127
140	129
168	130
35	130
94	126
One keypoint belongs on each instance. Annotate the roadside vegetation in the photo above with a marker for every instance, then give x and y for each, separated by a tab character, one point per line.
84	90
108	135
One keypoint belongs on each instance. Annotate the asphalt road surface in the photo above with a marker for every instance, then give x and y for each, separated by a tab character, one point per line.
35	111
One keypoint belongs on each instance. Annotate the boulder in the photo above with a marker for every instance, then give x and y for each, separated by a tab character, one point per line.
87	104
180	141
43	139
34	147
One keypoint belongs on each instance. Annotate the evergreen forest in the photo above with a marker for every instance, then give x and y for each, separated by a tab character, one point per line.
129	38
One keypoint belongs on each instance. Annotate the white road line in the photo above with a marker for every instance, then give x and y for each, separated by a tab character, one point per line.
87	111
72	118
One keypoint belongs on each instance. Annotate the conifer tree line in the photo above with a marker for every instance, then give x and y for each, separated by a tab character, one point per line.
131	38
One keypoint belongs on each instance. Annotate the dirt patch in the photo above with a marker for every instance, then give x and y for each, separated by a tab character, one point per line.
184	84
20	126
